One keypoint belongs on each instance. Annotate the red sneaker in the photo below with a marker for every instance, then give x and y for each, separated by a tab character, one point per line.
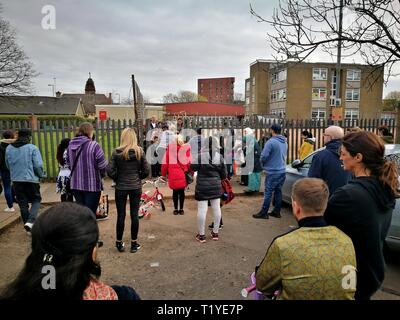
201	238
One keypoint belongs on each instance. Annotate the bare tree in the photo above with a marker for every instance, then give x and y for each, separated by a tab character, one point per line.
394	95
16	71
391	101
371	30
182	96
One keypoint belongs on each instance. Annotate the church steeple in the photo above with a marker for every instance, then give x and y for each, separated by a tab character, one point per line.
90	88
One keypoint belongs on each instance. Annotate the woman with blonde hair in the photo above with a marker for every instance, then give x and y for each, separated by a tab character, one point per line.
175	164
127	167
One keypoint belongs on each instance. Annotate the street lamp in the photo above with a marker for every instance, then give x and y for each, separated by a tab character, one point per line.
119	98
53	86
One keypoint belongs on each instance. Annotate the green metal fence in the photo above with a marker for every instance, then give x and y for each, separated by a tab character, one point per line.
46	135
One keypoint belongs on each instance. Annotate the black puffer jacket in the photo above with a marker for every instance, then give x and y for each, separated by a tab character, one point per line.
127	174
209	175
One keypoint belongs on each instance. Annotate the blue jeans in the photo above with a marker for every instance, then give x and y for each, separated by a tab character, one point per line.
273	185
8	190
88	199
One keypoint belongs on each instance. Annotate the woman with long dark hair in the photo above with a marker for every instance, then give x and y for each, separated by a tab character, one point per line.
62	183
127	167
363	208
64	242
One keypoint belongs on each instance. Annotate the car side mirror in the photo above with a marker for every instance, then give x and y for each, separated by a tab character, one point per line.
297	163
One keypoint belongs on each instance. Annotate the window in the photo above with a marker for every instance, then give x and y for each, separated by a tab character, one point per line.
279	76
247	100
333	88
353	95
351	114
320	73
248	86
319	93
201	85
278	95
388	116
318	113
279	112
254	81
353	75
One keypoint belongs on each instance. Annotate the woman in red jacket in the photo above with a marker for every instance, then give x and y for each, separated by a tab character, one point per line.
175	163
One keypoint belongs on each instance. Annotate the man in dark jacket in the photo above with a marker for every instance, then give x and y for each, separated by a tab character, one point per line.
326	164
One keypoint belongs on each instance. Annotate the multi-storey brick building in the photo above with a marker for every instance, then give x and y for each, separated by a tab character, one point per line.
216	89
308	90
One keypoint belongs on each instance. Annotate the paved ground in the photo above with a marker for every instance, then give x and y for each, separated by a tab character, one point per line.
172	265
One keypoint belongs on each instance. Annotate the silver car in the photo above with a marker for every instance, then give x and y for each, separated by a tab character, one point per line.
299	169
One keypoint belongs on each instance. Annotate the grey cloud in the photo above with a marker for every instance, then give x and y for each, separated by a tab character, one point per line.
166	44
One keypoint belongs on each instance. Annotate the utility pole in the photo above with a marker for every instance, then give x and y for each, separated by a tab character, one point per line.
338	100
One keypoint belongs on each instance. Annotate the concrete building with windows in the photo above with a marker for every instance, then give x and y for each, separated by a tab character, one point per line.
308	90
219	90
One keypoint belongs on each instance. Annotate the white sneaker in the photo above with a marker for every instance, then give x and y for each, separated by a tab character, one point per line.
9	209
28	227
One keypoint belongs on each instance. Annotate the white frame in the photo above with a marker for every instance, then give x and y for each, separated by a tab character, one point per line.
278	95
354	114
319	111
319	98
352	94
353	73
317	74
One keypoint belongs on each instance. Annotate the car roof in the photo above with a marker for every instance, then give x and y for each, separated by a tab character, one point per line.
392	149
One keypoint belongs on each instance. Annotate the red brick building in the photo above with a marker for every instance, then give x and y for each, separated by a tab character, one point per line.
203	109
219	90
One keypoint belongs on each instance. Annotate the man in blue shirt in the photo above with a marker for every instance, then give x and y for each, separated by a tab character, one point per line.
273	162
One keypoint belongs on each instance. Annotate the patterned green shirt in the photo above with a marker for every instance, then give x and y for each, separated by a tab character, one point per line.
309	264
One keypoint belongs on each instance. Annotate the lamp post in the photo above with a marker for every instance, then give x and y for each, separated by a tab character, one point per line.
53	87
119	98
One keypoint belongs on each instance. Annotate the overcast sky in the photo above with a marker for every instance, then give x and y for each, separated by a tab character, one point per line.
167	44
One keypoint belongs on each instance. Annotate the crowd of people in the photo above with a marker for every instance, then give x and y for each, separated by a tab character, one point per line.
343	209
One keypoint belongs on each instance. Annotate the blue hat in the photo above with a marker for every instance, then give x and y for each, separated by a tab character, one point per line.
276	128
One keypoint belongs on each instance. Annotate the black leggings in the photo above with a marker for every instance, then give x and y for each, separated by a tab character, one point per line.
134	201
178	194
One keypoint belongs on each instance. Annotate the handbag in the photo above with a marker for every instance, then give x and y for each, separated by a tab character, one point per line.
103	207
188	175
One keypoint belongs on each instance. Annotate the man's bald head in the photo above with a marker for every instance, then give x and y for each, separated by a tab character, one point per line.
334	132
